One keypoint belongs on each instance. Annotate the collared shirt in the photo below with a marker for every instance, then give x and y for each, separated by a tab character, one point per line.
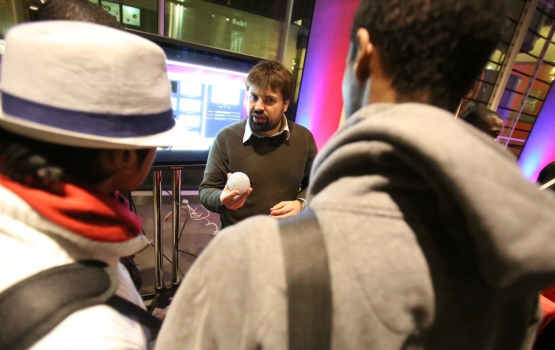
284	128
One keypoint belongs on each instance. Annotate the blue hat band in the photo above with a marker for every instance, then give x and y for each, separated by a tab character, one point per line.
104	125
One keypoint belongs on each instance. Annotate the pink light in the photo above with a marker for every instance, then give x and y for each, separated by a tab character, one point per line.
320	101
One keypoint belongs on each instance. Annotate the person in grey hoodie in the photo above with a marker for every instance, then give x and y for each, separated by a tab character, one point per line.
421	255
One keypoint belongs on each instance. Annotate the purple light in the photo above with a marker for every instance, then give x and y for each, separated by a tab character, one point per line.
320	102
539	150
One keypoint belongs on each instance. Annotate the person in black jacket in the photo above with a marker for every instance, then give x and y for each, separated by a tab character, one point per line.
486	120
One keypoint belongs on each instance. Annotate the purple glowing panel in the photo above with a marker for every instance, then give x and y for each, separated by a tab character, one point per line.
539	149
320	102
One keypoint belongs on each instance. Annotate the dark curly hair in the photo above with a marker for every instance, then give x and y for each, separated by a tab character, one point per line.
433	48
479	117
45	165
41	164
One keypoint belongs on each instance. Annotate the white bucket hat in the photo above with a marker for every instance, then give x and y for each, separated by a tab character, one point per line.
86	85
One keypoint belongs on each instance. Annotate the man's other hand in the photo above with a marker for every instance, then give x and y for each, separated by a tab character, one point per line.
285	209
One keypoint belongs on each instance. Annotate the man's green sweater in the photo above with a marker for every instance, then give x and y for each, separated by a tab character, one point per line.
278	169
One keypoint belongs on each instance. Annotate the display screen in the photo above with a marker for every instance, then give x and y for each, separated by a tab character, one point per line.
208	93
205	99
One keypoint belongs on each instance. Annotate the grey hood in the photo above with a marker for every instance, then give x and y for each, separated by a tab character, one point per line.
506	222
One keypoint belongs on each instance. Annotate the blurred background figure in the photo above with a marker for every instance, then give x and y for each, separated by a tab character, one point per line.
486	120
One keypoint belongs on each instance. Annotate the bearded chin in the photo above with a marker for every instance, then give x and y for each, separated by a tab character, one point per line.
260	127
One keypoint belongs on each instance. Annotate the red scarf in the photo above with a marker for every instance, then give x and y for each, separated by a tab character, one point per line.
89	213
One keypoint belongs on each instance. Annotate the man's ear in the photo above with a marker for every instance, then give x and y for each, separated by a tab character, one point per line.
119	160
285	105
365	49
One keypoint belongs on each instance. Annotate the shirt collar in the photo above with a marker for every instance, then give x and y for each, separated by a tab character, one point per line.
284	128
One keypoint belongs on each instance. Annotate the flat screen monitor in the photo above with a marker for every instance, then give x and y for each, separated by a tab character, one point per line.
208	93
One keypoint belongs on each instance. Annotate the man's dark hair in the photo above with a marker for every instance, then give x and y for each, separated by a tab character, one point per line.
432	48
271	74
45	165
75	10
479	116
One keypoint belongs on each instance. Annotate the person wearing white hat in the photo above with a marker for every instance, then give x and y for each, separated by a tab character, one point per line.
84	107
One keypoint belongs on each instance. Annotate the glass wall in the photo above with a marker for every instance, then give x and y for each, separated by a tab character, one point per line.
530	79
518	77
263	29
482	90
269	29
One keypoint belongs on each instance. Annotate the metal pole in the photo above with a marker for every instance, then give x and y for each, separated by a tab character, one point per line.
158	254
176	209
284	35
512	53
531	81
161	16
11	13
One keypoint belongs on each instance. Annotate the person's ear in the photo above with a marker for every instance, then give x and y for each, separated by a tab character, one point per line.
285	105
364	53
120	160
126	160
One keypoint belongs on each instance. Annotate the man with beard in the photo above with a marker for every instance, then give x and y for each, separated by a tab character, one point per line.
275	153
